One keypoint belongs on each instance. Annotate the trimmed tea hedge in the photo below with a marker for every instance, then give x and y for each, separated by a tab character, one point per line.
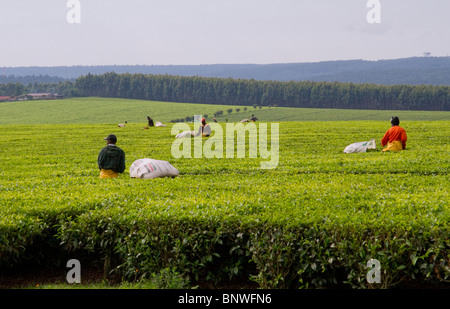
314	221
273	254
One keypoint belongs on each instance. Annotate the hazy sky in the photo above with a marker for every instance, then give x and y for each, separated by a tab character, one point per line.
135	32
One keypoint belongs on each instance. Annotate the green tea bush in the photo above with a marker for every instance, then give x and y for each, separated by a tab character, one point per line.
313	222
17	233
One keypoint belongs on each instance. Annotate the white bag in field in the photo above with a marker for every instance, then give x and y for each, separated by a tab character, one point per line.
159	124
150	169
185	134
360	147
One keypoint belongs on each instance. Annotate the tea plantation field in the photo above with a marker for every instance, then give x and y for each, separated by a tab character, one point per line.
313	221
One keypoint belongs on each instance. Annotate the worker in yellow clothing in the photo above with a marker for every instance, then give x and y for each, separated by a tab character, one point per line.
111	159
395	138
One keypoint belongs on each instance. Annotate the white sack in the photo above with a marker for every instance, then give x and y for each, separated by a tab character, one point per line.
185	134
159	124
150	169
360	147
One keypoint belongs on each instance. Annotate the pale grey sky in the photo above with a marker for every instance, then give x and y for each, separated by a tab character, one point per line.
162	32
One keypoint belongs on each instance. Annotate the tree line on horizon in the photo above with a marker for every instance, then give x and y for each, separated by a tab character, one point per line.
246	92
31	79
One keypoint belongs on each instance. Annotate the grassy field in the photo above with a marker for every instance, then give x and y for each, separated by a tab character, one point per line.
114	111
314	221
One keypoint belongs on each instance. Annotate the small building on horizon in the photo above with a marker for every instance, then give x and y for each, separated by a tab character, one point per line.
44	96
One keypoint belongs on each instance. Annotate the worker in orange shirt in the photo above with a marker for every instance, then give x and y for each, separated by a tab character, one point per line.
395	138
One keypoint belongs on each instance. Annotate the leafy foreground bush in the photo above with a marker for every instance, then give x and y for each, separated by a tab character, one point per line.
314	221
273	254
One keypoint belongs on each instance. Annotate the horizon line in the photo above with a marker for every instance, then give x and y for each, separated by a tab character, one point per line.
218	63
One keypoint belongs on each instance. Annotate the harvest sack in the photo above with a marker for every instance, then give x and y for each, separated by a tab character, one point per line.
150	169
159	124
360	147
185	134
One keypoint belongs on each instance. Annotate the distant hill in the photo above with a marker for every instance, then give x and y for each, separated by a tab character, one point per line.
31	79
412	71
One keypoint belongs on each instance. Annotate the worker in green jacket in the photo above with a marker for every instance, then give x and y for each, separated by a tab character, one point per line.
111	159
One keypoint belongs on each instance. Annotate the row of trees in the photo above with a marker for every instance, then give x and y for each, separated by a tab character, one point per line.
216	114
264	93
30	79
246	92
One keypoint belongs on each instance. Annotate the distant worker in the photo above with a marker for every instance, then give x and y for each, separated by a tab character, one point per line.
253	118
214	119
395	138
111	159
204	130
150	122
